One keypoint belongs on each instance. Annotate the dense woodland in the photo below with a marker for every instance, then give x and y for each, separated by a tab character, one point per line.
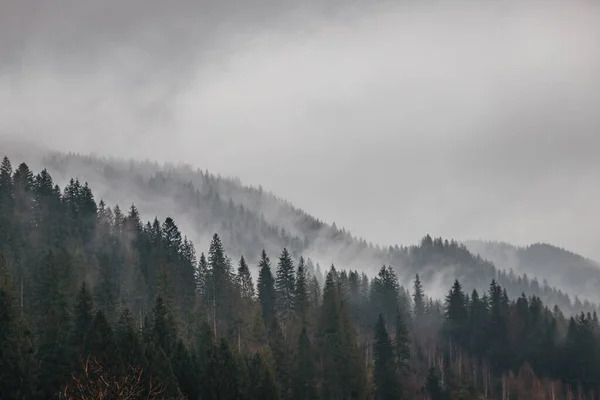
249	219
95	303
559	267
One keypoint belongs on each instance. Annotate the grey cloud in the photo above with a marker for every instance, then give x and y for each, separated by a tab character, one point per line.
392	119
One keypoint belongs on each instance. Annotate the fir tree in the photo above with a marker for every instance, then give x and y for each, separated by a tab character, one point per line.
402	342
266	289
285	284
244	280
418	298
385	374
304	370
301	297
17	362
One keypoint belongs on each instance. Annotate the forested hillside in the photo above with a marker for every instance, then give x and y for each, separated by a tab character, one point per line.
249	219
559	267
95	303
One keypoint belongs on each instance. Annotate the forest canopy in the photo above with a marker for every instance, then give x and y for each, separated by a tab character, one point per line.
95	302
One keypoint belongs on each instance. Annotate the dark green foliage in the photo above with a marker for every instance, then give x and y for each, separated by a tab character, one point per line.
384	293
220	378
456	314
342	371
244	281
261	380
385	375
128	343
304	375
17	363
159	310
285	285
100	341
281	356
301	295
266	289
83	316
418	298
402	342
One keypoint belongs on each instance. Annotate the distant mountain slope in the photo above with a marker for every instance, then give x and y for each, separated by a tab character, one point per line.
559	267
249	219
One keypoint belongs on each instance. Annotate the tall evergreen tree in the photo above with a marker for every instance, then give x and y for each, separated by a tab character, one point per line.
301	296
304	377
83	316
342	371
385	376
402	342
244	280
418	298
285	284
266	289
17	364
456	314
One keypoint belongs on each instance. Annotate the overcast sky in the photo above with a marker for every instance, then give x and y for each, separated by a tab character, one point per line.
462	119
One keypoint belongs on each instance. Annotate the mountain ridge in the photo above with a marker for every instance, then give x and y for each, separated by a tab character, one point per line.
249	219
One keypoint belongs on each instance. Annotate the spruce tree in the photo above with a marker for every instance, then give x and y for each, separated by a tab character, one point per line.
418	298
281	356
456	314
304	387
342	372
82	321
285	284
301	297
244	280
266	289
220	377
385	374
402	342
202	280
17	363
128	344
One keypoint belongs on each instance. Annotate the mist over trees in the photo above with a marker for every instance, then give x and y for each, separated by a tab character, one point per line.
95	301
249	219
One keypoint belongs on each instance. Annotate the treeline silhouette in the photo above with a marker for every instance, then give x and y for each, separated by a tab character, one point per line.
94	303
250	219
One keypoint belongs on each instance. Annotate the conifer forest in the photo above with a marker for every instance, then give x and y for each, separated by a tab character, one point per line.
97	303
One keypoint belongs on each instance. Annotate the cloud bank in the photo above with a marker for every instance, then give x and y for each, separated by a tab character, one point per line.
393	119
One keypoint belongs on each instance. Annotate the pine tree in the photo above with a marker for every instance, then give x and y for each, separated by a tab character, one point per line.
385	374
128	344
100	341
244	280
202	277
17	363
281	357
261	379
221	283
456	314
385	293
163	328
302	302
418	298
266	289
304	387
402	342
342	372
220	378
84	314
285	284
